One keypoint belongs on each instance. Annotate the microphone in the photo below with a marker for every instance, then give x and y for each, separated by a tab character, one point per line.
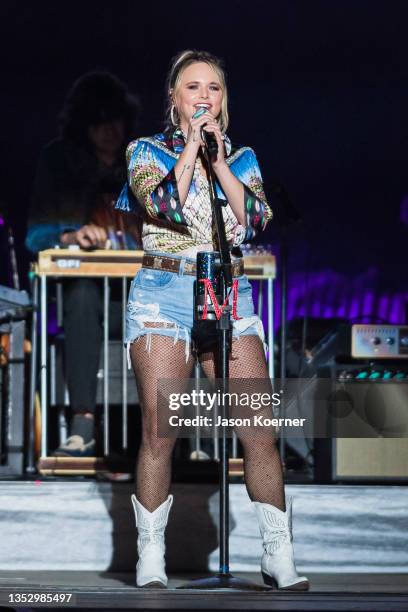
211	144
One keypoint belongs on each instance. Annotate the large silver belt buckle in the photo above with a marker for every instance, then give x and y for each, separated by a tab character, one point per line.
189	267
157	263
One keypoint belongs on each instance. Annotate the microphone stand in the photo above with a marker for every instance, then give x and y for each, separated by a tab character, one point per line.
223	579
287	216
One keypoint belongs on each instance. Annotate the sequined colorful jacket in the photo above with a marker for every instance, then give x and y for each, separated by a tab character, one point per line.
151	192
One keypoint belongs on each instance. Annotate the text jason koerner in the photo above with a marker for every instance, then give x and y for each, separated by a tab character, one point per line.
256	420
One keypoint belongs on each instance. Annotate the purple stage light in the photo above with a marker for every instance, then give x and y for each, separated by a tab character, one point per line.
396	314
368	302
354	308
328	294
316	309
404	210
383	304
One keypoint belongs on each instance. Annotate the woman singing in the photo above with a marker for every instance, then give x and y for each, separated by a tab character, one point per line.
168	180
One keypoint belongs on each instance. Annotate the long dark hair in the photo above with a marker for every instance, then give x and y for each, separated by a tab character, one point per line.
96	97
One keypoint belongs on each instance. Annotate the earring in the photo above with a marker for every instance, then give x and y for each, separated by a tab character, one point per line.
173	108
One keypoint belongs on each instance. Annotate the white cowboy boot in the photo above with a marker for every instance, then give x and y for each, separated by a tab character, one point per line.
277	565
150	569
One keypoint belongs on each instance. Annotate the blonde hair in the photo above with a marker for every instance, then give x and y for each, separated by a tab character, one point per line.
178	64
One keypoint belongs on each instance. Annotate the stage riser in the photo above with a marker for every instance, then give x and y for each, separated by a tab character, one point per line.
90	526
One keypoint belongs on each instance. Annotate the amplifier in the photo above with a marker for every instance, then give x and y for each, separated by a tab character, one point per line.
370	459
379	341
360	371
372	444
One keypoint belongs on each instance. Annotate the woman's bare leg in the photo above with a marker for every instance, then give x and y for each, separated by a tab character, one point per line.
153	467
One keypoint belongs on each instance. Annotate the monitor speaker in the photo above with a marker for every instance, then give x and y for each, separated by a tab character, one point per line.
370	459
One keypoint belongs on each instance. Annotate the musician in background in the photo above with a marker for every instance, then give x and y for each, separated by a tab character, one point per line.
78	178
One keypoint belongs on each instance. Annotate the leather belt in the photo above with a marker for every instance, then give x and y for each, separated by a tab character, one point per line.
171	264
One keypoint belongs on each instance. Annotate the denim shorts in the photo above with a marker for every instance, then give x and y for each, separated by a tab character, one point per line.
166	298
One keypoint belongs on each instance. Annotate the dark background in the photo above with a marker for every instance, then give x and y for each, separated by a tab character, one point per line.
318	88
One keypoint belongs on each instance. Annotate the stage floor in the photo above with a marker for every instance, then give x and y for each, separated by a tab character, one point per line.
115	591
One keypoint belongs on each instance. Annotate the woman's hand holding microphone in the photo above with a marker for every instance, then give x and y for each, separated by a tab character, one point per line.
203	120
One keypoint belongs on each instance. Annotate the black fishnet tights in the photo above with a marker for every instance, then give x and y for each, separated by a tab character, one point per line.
164	360
262	465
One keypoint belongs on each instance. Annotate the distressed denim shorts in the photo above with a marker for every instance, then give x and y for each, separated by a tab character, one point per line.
166	298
